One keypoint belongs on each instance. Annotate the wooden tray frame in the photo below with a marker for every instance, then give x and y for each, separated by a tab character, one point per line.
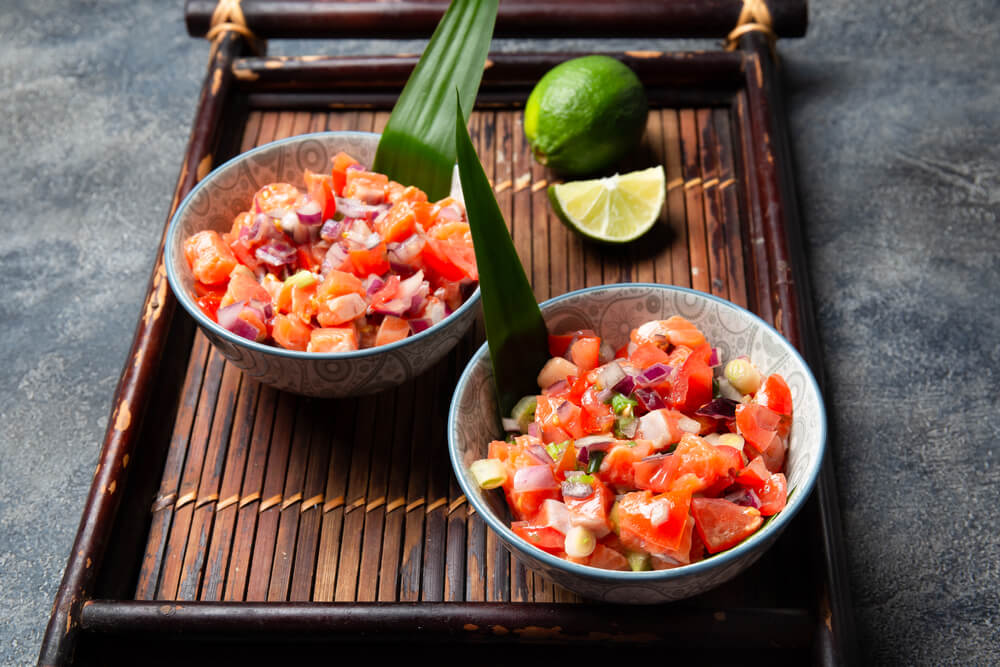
111	532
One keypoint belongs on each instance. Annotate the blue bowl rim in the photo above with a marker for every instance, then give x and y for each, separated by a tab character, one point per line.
752	543
192	308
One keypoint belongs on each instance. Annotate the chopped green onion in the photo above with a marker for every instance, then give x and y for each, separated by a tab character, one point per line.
301	279
639	561
556	449
631	443
716	390
621	403
580	478
580	542
489	473
624	427
743	375
524	412
595	462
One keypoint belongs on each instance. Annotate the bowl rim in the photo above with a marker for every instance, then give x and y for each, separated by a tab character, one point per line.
192	308
768	532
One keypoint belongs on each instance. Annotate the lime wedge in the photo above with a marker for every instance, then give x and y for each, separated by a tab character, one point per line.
615	209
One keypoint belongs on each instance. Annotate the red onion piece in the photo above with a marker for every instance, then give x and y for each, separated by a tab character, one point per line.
718	408
578	490
538	453
653	375
435	311
744	497
595	443
714	359
420	324
534	478
310	213
556	387
229	319
626	386
331	230
565	411
649	400
352	208
605	395
335	258
583	456
275	253
534	431
610	375
406	253
373	284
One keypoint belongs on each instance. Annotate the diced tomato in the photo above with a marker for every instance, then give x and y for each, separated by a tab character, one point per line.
647	354
559	343
597	416
675	330
759	427
547	415
366	186
592	512
386	293
773	495
656	524
605	558
446	210
341	161
210	259
298	299
209	303
730	462
338	283
320	188
622	352
276	197
544	537
333	339
243	286
291	333
585	353
340	310
655	474
691	384
723	524
398	223
391	330
244	253
617	467
304	257
498	449
410	195
775	394
369	260
525	505
755	474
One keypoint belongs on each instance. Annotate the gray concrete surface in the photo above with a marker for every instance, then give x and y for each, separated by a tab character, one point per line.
895	112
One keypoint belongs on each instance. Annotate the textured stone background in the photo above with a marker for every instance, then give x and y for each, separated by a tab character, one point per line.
895	111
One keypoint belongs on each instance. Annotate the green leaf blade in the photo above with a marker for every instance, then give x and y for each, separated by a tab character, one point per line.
515	331
418	143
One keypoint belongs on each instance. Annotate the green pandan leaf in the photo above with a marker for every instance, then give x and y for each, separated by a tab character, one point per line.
515	330
418	144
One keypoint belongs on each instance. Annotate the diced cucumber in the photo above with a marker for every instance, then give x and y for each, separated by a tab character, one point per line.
524	412
488	473
639	561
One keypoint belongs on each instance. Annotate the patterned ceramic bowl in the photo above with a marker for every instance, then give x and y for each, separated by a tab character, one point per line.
612	311
228	190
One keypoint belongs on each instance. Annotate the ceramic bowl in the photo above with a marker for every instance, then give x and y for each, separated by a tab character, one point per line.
612	311
229	189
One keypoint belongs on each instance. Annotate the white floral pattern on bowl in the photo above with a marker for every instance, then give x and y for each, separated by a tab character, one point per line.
229	189
612	311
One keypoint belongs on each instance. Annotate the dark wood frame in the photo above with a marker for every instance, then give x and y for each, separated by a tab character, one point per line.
777	282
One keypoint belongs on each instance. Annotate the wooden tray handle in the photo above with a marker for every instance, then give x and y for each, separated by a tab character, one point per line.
279	19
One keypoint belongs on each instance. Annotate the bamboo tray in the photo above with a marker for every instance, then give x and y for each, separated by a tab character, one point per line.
227	520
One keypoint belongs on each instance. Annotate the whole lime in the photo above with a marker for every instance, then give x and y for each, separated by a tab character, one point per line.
585	114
